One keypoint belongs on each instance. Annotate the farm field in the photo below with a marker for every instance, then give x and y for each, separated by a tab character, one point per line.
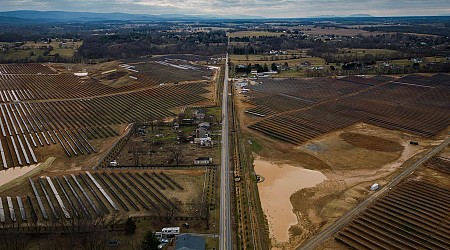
33	50
253	33
267	59
366	51
310	30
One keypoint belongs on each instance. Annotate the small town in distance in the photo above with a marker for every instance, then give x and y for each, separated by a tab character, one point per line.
153	125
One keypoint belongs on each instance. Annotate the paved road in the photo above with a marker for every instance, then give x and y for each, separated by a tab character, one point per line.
225	239
346	218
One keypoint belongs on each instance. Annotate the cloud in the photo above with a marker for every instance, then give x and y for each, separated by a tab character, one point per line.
268	8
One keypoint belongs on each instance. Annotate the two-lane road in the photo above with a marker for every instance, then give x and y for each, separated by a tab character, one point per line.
225	238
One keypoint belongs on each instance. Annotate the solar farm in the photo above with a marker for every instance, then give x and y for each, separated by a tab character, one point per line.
58	127
304	122
105	193
413	215
41	107
297	110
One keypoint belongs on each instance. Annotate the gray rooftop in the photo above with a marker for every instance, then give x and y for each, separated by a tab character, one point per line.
190	242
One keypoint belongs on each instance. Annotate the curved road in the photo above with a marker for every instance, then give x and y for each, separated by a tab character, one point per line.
347	217
225	239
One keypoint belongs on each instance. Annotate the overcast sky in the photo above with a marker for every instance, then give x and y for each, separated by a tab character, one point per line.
266	8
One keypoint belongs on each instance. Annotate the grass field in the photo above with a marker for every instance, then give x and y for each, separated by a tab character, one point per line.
66	51
265	59
254	59
251	33
311	30
21	54
366	51
214	111
32	51
406	62
291	73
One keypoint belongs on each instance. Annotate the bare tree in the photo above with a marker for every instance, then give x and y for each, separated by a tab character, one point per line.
175	154
169	214
137	153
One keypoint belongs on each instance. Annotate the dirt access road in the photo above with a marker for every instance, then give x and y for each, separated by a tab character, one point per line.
346	218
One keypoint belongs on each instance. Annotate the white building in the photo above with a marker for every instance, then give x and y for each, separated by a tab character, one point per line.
171	230
375	187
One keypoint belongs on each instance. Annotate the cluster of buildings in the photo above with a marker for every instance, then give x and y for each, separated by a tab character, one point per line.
201	135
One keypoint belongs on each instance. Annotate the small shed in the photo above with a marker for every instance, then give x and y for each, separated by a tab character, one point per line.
375	187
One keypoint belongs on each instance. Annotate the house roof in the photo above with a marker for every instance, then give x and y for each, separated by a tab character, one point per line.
190	242
201	133
205	124
202	159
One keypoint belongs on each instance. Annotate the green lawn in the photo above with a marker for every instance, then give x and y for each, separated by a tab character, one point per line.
21	54
367	51
215	111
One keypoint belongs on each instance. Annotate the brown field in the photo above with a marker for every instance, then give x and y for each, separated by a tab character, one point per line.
371	142
339	32
252	33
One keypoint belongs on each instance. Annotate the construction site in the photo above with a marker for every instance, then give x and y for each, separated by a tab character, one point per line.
319	144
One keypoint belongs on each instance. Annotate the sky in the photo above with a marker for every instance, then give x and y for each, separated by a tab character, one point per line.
265	8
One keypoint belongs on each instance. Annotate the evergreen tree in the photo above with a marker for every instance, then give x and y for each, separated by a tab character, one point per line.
150	242
130	226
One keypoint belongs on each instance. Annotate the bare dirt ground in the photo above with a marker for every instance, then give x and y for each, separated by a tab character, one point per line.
425	174
352	159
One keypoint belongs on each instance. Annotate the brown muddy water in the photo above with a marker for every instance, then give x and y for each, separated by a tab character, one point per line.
281	181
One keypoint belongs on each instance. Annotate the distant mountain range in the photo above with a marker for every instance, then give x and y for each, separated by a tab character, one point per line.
31	16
